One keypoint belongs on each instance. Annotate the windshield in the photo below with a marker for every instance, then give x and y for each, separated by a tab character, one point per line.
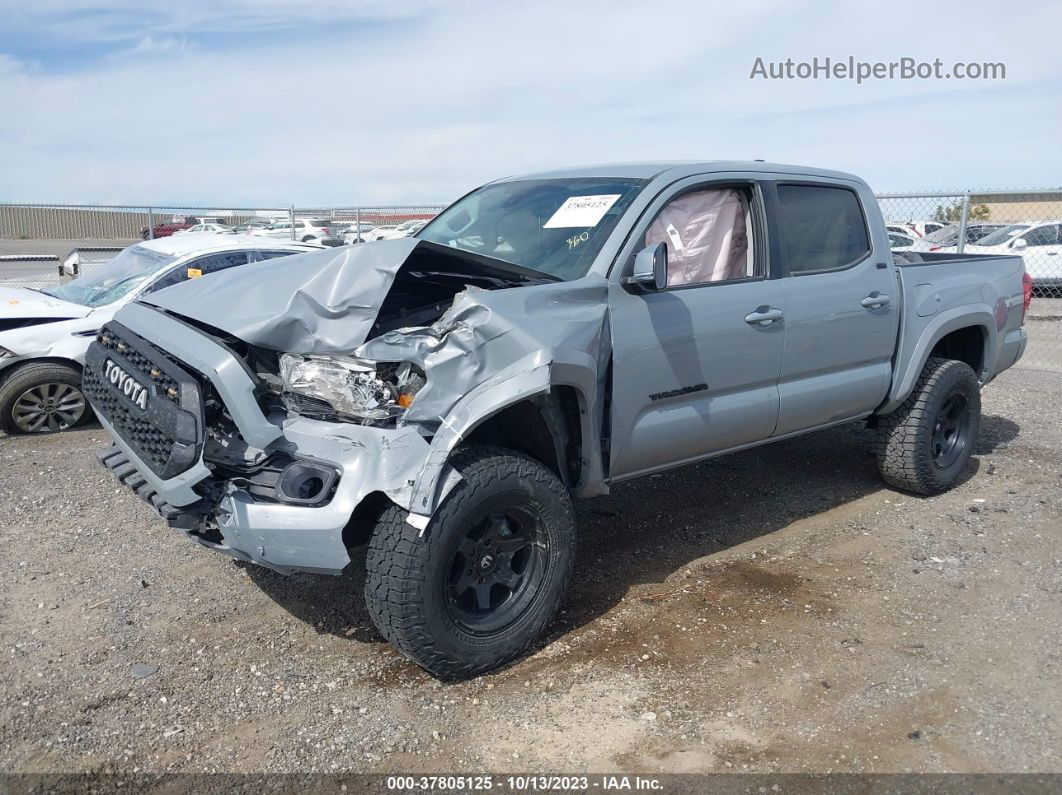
1002	235
556	226
123	274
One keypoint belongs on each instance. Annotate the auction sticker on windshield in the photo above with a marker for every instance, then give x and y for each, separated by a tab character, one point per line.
581	211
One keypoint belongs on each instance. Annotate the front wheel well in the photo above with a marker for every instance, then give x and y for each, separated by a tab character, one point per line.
546	427
964	345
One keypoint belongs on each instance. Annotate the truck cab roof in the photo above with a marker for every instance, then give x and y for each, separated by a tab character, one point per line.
678	169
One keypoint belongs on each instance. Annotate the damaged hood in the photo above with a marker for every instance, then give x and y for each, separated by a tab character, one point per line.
21	303
331	301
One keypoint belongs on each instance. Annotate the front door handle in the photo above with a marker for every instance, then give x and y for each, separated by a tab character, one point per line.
875	301
763	316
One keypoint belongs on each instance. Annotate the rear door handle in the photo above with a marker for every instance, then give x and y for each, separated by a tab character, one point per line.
875	301
763	316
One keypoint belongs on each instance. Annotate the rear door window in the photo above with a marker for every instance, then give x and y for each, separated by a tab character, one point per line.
263	255
1042	236
193	269
823	228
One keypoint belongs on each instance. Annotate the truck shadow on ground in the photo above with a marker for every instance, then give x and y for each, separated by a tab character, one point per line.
648	528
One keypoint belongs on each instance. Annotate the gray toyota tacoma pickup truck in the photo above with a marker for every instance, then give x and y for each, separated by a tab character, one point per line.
442	398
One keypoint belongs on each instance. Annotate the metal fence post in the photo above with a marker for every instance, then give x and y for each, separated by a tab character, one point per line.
962	222
291	216
357	222
151	223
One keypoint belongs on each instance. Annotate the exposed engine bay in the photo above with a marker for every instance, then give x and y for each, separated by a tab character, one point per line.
306	344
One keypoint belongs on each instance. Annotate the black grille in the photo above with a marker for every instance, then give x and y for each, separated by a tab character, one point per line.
167	385
167	433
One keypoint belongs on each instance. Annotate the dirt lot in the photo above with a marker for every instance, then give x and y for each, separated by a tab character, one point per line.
774	610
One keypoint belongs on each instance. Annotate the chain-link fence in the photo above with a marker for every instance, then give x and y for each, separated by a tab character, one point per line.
1027	223
41	245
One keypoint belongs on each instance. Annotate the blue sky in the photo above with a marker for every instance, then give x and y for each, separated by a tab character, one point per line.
329	102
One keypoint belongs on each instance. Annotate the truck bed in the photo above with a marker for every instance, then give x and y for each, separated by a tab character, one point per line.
943	292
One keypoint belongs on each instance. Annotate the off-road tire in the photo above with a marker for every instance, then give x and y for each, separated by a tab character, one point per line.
29	376
407	571
905	437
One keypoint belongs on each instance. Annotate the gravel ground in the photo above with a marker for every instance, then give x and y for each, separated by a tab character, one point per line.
775	610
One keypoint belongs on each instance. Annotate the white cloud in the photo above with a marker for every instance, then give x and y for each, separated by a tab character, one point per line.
457	94
10	65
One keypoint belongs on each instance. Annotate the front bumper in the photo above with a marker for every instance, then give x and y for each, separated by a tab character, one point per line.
223	512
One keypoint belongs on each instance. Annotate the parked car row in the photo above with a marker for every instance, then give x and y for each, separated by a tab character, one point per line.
905	237
1039	242
368	232
306	229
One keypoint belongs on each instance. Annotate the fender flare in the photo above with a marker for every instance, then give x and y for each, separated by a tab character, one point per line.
917	353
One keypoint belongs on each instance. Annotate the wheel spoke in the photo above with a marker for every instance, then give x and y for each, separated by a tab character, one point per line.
68	417
497	526
507	577
461	584
482	592
467	548
71	404
510	545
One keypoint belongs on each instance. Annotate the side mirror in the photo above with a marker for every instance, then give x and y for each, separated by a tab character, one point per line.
650	269
1019	243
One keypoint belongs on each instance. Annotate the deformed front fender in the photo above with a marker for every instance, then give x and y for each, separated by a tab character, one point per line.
520	381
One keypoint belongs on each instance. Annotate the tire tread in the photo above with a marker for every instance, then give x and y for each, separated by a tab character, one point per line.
396	561
900	435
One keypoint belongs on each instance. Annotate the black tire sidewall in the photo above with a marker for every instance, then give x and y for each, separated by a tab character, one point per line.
29	376
958	377
449	528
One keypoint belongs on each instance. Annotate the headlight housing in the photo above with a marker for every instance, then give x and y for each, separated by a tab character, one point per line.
6	354
347	388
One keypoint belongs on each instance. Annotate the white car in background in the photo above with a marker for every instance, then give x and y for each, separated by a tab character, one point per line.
946	240
255	223
405	229
210	227
350	233
923	228
44	334
379	232
914	228
901	242
306	230
1039	243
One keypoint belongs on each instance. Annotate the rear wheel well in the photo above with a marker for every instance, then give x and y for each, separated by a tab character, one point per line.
964	345
545	427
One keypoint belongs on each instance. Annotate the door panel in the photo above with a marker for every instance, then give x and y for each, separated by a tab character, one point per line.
841	324
690	375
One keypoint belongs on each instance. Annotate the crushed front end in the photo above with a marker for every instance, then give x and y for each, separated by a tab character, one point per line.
245	411
207	443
